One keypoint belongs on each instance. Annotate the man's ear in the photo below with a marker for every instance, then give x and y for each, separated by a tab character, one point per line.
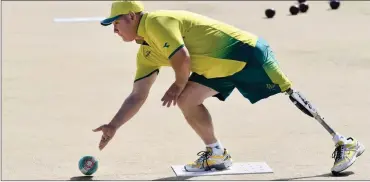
132	15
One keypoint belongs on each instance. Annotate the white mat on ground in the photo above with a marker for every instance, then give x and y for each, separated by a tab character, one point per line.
237	168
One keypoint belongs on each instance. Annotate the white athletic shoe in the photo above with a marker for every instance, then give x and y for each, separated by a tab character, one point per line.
209	161
345	154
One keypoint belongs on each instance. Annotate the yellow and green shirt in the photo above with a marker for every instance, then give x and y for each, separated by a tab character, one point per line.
216	49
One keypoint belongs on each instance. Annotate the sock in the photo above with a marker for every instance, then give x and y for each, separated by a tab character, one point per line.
339	138
217	148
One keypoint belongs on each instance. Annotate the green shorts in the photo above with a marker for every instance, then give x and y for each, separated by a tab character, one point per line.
259	79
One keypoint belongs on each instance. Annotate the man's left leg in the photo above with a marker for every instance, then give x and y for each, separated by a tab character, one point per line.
196	114
347	149
268	79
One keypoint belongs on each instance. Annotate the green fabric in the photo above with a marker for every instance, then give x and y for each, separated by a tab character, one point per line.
259	79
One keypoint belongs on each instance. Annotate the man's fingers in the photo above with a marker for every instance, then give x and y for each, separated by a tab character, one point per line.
169	98
104	141
99	128
169	102
166	99
102	145
164	102
175	99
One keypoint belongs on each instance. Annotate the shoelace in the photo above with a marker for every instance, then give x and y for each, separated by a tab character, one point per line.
204	156
339	151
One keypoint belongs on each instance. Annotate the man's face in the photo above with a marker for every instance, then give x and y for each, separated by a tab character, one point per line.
124	26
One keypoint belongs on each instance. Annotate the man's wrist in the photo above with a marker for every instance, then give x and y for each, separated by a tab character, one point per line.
115	123
181	83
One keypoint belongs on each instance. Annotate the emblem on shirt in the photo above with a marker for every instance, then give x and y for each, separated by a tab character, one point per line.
147	53
166	45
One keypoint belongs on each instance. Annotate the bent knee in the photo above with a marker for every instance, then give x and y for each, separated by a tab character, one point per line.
186	101
194	94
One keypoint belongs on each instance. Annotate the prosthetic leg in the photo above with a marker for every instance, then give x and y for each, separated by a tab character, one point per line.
346	151
305	106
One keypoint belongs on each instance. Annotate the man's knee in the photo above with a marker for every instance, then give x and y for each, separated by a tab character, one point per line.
193	95
186	101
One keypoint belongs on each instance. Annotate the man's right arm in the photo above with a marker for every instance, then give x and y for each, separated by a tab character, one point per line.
134	101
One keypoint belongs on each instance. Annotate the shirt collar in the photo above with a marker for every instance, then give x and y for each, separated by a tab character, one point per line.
141	31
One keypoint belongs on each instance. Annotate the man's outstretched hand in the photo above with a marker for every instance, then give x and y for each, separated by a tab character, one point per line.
108	134
172	94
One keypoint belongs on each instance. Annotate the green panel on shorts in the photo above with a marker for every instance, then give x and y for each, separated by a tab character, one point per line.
222	85
234	49
260	79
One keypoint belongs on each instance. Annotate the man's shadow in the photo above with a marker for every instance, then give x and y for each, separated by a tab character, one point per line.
174	178
343	174
90	178
183	178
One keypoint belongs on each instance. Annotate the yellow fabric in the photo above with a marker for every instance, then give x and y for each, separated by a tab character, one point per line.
148	61
124	7
209	42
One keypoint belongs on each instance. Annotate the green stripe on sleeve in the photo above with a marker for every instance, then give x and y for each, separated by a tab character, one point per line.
182	45
157	70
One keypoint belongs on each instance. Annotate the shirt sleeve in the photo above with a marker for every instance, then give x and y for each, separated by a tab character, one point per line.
165	32
144	67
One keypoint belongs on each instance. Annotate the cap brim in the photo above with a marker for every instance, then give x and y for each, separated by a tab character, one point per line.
109	21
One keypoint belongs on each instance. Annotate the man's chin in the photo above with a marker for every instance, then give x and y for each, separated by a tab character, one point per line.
127	40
